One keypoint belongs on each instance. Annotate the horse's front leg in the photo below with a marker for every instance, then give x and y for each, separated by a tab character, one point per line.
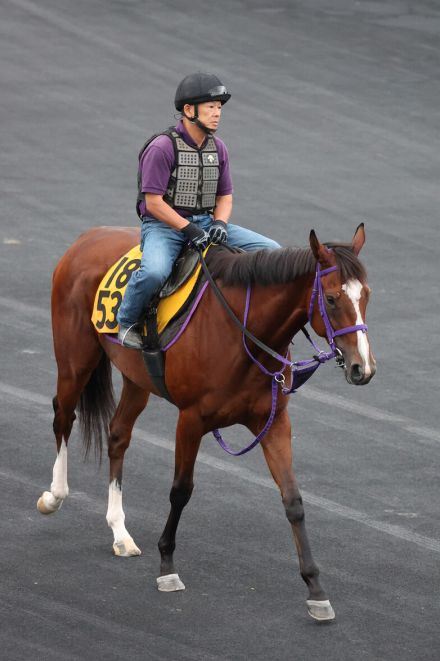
278	454
188	437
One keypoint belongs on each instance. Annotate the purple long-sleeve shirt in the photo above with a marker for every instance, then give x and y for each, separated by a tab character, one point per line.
157	163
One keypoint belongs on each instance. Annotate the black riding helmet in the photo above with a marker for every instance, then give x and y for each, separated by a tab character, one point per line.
199	88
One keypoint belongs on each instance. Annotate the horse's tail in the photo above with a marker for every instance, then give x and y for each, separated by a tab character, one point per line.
96	407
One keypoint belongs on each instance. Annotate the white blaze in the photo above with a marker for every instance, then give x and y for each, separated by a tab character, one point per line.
353	289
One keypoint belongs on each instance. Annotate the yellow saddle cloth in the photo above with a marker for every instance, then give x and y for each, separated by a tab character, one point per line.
111	290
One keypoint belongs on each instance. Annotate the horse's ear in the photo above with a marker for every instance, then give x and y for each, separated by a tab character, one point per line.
358	239
320	252
314	244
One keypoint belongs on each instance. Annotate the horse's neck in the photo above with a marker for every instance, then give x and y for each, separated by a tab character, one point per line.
278	312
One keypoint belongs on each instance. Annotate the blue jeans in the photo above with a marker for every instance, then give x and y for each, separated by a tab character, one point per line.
161	245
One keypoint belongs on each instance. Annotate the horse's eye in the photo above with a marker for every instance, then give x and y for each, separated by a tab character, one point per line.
331	301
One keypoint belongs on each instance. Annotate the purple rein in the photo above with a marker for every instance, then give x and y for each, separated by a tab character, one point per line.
301	370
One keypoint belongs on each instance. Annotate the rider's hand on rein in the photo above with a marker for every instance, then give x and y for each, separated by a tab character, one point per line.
197	236
218	232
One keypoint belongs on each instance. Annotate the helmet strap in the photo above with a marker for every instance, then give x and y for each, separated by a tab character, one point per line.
195	120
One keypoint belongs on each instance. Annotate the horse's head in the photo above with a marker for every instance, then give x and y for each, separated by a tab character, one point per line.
345	295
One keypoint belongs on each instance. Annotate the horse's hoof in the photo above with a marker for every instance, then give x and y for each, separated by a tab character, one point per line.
321	611
126	548
48	504
170	583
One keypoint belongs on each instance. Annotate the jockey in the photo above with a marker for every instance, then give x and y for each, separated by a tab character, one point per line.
185	195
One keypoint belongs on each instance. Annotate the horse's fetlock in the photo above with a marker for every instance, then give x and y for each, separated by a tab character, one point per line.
115	518
50	502
309	571
60	493
166	548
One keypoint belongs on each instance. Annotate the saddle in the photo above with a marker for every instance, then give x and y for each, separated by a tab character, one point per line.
167	313
170	302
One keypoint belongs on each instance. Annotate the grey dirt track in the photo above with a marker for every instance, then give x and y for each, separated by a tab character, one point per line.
334	120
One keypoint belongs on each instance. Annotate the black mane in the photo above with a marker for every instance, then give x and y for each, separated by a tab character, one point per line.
280	266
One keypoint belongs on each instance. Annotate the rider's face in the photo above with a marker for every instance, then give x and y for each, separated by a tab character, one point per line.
209	113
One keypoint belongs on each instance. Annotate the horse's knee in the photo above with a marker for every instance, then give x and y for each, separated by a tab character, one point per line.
294	508
180	494
309	572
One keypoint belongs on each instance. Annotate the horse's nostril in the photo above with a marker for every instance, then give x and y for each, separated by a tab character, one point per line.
356	373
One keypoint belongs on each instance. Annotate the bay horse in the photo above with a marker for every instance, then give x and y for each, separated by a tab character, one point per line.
209	393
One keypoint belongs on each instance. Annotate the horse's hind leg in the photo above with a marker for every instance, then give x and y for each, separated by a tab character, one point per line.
188	437
74	371
278	455
132	403
51	501
64	403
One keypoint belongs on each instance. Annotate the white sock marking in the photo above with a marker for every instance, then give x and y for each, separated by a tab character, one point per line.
353	289
59	487
115	513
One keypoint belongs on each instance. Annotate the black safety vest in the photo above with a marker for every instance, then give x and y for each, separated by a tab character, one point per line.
194	179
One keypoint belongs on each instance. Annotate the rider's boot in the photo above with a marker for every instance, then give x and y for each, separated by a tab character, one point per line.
130	336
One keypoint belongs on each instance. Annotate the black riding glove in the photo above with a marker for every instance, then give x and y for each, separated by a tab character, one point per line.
218	232
198	237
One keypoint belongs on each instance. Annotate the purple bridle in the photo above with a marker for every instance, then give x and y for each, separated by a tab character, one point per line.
331	334
301	370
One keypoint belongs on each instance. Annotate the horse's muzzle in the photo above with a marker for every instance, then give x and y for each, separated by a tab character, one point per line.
357	375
